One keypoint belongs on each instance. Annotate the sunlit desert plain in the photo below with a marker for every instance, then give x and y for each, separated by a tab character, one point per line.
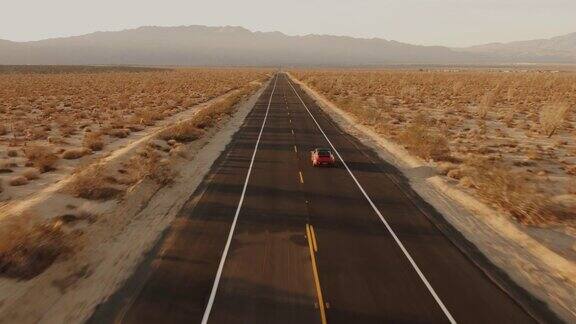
73	139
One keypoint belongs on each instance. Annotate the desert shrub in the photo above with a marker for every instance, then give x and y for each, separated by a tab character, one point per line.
193	129
210	115
6	166
12	153
31	174
93	184
483	111
93	141
55	140
150	164
424	142
119	132
41	157
485	104
18	181
182	132
37	133
552	117
204	119
508	117
147	116
66	125
512	191
75	153
27	249
18	129
135	127
3	129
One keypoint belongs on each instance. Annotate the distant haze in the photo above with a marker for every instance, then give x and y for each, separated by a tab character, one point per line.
237	46
453	23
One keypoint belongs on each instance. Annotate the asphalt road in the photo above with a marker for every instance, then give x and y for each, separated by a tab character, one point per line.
270	239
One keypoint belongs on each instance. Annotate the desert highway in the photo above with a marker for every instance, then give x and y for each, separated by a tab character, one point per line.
270	239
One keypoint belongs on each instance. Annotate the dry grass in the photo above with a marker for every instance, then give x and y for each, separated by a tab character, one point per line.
27	249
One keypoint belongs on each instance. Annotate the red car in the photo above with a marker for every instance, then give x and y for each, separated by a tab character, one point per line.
322	156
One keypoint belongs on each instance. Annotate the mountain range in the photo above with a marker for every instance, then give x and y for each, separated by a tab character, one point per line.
560	49
237	46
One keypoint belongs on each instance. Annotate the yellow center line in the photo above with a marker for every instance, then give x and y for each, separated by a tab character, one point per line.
316	277
314	238
295	149
301	177
290	119
292	132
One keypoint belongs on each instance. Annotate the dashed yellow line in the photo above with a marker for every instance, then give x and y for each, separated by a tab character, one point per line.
301	177
315	274
295	149
290	119
292	132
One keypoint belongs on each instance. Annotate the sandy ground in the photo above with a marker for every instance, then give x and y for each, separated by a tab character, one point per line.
110	248
543	263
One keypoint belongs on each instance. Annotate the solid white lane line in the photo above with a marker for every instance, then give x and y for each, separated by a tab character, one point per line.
388	227
231	233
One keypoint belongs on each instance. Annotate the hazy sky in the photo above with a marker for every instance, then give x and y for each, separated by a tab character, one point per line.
427	22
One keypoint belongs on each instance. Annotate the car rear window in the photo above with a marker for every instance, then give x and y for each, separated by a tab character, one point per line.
323	153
